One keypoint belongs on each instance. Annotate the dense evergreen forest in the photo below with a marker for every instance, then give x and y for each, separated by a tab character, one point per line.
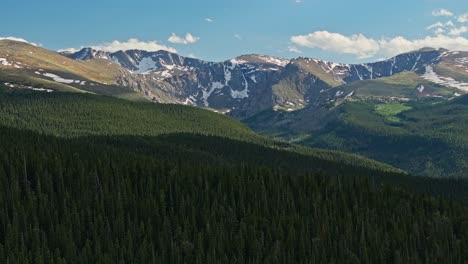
91	188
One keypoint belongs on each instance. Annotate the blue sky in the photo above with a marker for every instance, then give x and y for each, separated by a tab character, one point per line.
342	31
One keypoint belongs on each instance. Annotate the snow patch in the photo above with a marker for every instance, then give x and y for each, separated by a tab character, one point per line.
145	65
40	89
241	94
207	93
416	62
432	76
5	62
238	61
28	87
393	65
228	74
188	101
421	88
57	78
166	74
349	95
273	60
253	78
370	70
357	72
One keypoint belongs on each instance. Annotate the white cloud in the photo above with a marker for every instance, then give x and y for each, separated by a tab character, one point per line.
237	36
441	25
69	50
133	43
458	31
440	28
294	49
364	47
463	18
209	20
436	25
20	40
442	12
400	44
358	45
439	31
188	39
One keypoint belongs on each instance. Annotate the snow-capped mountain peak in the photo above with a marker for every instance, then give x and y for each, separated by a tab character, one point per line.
251	83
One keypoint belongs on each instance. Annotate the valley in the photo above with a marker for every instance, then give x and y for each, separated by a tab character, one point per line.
234	132
305	101
158	158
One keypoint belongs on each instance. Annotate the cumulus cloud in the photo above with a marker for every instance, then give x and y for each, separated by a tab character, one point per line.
441	25
436	25
294	49
439	31
209	20
458	31
68	50
237	36
463	18
441	12
19	40
133	43
188	39
358	44
364	47
400	44
440	28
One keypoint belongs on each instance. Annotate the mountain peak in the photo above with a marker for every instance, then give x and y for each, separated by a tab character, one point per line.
262	59
87	54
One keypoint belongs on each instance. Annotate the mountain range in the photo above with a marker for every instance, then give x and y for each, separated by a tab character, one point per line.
249	84
242	87
151	177
394	111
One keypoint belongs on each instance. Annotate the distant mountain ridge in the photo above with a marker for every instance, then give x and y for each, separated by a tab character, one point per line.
243	86
143	62
250	84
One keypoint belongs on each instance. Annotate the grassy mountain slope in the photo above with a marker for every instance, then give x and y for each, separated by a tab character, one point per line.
317	68
454	65
39	58
402	85
28	66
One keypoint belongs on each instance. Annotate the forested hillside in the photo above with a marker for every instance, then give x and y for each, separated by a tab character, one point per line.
74	115
425	137
88	179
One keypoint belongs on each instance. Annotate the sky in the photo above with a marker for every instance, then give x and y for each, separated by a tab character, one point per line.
347	31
